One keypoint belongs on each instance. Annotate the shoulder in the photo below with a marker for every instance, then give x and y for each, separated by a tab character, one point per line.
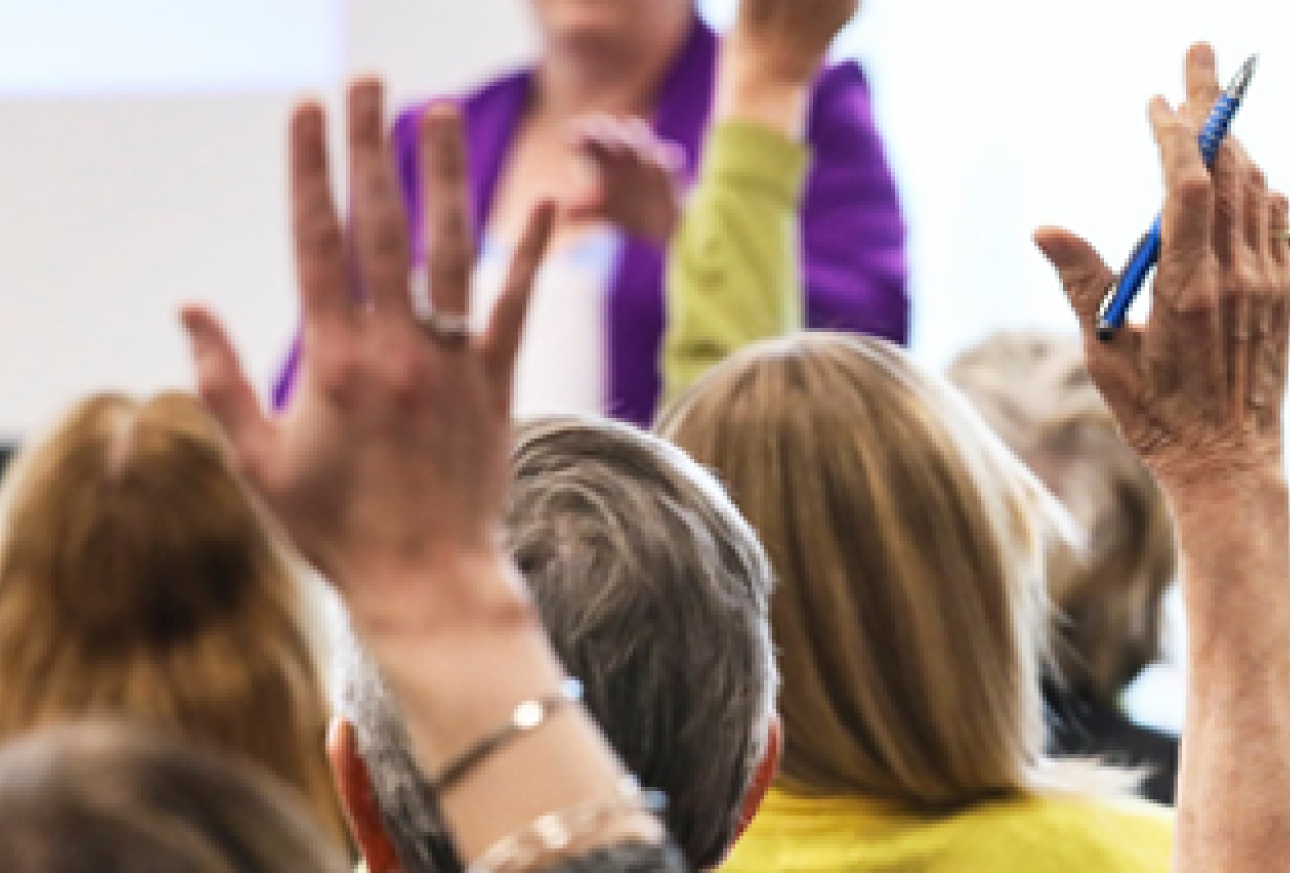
1042	833
840	101
843	135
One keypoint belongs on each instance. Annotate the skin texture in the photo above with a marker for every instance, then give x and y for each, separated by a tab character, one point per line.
389	471
1198	393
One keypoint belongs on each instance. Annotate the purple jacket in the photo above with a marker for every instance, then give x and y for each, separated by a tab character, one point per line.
853	235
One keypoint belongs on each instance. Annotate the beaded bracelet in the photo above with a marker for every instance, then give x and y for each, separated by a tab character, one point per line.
527	717
553	835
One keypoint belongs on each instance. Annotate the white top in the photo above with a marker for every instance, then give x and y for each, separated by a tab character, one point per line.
561	367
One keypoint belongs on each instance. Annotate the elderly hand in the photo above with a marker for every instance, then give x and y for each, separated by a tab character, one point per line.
635	182
791	36
393	455
1198	392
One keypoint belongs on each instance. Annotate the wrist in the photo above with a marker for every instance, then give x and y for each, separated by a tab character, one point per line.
1212	504
750	87
457	686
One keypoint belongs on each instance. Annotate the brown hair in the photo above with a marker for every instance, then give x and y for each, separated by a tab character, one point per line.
908	544
110	799
1034	390
138	579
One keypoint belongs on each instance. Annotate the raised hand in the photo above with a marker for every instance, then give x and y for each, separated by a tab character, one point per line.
393	455
1198	392
792	36
635	178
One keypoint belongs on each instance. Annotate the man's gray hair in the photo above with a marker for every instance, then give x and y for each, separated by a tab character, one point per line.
655	592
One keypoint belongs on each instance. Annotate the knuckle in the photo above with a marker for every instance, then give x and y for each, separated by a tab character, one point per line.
1257	179
389	238
1195	190
320	232
1246	277
343	376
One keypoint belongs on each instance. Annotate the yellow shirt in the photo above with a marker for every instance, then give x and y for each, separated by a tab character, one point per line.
1032	835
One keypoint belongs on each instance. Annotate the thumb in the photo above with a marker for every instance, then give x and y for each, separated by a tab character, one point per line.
222	386
1084	275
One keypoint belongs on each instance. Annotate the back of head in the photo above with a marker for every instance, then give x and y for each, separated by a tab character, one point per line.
909	615
97	799
655	594
138	579
1036	393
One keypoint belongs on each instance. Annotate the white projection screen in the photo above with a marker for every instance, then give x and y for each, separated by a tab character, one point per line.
57	48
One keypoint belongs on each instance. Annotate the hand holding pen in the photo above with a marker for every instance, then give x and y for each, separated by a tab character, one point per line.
1222	109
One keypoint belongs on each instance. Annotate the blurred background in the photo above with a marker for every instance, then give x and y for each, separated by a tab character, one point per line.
142	160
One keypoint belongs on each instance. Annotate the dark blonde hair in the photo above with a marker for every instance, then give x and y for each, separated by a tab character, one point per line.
1034	390
139	580
908	546
98	798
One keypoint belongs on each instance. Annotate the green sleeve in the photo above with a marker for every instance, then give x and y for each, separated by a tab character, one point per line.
733	274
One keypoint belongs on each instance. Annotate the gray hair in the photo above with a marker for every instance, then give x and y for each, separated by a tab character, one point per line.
655	592
1034	390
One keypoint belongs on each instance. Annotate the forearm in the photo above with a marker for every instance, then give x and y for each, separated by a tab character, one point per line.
734	273
1235	536
460	684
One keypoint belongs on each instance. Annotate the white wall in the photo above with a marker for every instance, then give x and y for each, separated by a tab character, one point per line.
114	210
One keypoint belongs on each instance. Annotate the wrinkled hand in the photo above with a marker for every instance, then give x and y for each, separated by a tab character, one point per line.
393	455
792	36
1198	392
635	178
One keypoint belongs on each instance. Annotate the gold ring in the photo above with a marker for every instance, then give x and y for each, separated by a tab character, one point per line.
1281	235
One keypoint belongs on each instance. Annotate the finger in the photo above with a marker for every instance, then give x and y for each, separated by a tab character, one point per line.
673	157
321	265
224	388
450	241
1227	174
1087	280
1084	275
640	137
1257	216
1278	227
590	206
501	342
1203	89
380	237
1189	193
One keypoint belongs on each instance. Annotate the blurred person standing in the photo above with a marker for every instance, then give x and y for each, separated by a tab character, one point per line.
1035	391
557	130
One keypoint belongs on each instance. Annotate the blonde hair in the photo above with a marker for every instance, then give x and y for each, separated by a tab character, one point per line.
908	546
1034	390
138	580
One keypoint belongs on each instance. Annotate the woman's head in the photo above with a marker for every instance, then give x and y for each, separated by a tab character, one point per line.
103	799
1034	390
909	615
138	579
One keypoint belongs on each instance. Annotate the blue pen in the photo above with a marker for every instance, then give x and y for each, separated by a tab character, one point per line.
1116	306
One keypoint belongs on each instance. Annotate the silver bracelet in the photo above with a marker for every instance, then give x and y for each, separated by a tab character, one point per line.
527	717
553	835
